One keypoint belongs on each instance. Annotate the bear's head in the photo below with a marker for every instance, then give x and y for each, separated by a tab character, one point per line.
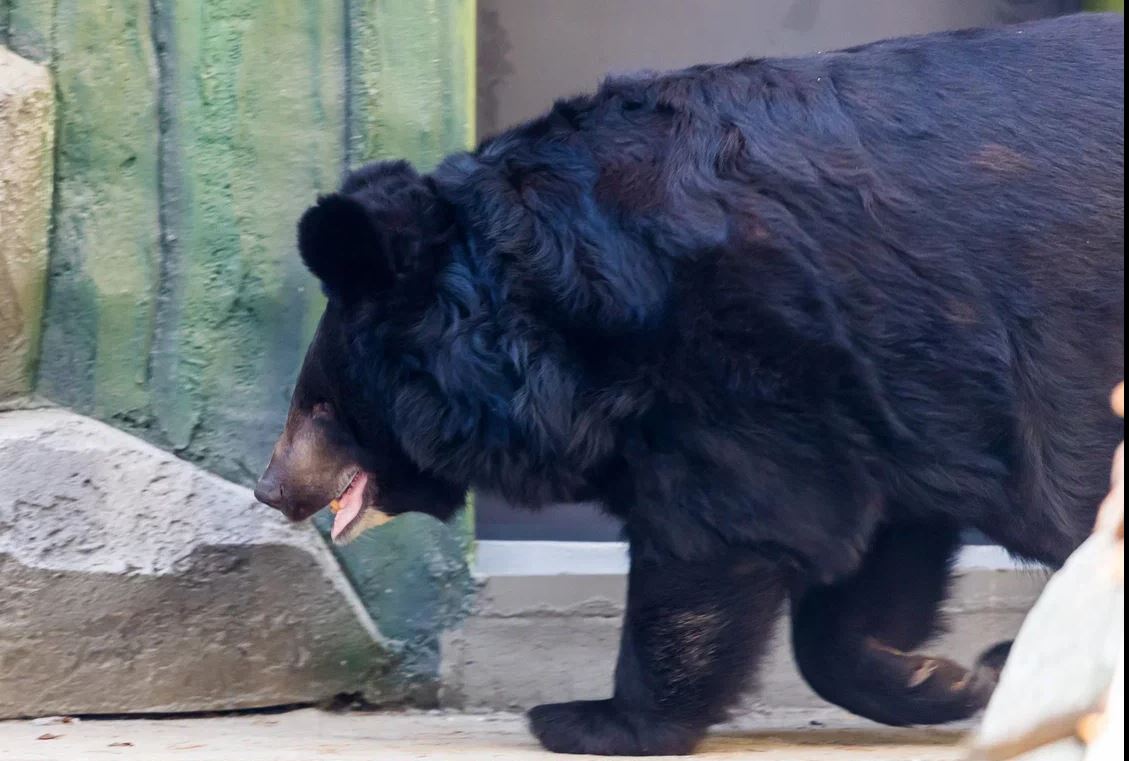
375	245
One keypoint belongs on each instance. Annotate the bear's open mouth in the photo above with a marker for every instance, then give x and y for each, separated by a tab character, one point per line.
351	516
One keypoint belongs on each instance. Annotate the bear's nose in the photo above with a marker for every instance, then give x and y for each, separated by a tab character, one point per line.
269	492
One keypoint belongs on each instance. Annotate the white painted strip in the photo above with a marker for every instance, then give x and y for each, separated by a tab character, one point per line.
989	557
521	558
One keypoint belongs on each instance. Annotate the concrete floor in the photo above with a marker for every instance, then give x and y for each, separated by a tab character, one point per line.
311	735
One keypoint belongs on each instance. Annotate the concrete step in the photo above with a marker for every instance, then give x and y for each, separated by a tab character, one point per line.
545	626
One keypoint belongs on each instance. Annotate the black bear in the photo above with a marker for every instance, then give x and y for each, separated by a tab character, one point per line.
797	322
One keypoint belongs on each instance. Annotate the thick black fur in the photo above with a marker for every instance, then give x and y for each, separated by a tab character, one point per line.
796	322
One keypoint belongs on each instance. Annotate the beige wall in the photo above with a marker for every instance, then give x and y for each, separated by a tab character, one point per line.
533	51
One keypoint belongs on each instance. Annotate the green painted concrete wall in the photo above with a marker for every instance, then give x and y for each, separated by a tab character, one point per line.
191	135
411	90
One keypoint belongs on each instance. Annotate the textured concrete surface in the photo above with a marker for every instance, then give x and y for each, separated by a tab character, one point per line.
26	143
131	581
314	736
536	639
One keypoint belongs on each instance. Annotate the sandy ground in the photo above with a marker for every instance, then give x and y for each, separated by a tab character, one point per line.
311	735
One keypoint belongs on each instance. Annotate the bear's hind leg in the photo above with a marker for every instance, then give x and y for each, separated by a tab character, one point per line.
852	640
691	638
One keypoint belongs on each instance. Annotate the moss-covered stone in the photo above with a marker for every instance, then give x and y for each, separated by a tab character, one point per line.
105	236
411	84
25	26
252	130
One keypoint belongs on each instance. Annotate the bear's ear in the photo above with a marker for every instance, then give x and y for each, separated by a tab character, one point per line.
387	227
342	248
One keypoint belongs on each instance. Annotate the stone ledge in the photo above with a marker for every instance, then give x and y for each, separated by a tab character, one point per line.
131	581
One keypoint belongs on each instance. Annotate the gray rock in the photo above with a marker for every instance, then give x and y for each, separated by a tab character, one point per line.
26	140
131	581
1065	656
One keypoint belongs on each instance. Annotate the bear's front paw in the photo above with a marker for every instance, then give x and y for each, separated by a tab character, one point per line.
600	728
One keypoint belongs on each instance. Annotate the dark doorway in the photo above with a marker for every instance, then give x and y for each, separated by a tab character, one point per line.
497	519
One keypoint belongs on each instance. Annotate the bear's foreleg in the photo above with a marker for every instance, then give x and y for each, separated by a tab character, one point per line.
693	634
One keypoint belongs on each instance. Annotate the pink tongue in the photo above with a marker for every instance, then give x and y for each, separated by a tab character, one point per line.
352	502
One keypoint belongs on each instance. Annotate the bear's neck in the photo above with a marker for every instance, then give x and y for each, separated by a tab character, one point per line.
488	400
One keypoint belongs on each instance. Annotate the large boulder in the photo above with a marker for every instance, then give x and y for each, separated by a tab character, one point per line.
26	140
131	581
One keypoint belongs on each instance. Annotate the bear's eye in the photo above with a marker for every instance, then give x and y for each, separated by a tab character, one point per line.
323	410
